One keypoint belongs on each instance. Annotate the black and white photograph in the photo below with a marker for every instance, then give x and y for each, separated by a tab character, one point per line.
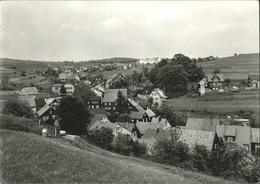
129	92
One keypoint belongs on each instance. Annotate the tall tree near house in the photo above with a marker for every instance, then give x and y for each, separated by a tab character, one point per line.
17	108
173	80
74	116
83	92
121	104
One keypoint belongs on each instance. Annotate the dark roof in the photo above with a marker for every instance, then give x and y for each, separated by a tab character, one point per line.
128	126
202	124
136	105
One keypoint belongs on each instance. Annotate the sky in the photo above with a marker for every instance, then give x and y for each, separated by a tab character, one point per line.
84	30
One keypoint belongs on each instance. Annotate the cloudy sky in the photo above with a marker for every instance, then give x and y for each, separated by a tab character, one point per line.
91	30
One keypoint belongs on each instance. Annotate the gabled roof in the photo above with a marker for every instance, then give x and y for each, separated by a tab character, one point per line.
99	124
253	76
197	137
28	99
157	134
211	76
255	135
111	94
150	113
127	126
44	109
136	115
161	123
144	126
202	124
98	117
136	105
28	91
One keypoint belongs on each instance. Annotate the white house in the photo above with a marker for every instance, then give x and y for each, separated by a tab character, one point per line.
153	60
158	96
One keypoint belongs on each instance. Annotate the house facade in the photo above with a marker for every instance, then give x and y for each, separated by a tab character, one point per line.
215	82
241	135
94	102
68	87
253	80
110	98
158	96
111	82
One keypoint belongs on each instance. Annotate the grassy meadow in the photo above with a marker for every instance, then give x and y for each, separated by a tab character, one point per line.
234	67
218	102
28	158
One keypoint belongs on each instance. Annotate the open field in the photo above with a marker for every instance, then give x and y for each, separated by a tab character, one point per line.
234	67
218	102
28	158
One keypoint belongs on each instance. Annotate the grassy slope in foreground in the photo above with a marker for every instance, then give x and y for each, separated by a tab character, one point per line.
28	158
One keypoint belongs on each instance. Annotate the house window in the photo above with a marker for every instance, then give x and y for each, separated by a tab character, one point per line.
230	139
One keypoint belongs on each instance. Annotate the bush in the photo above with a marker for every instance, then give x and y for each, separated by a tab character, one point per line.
122	145
200	158
171	151
102	138
17	108
138	149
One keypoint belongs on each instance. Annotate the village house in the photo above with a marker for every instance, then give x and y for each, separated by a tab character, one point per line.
68	87
158	97
153	60
241	135
253	80
48	118
97	81
213	82
110	98
28	91
100	122
157	123
94	102
111	82
124	128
